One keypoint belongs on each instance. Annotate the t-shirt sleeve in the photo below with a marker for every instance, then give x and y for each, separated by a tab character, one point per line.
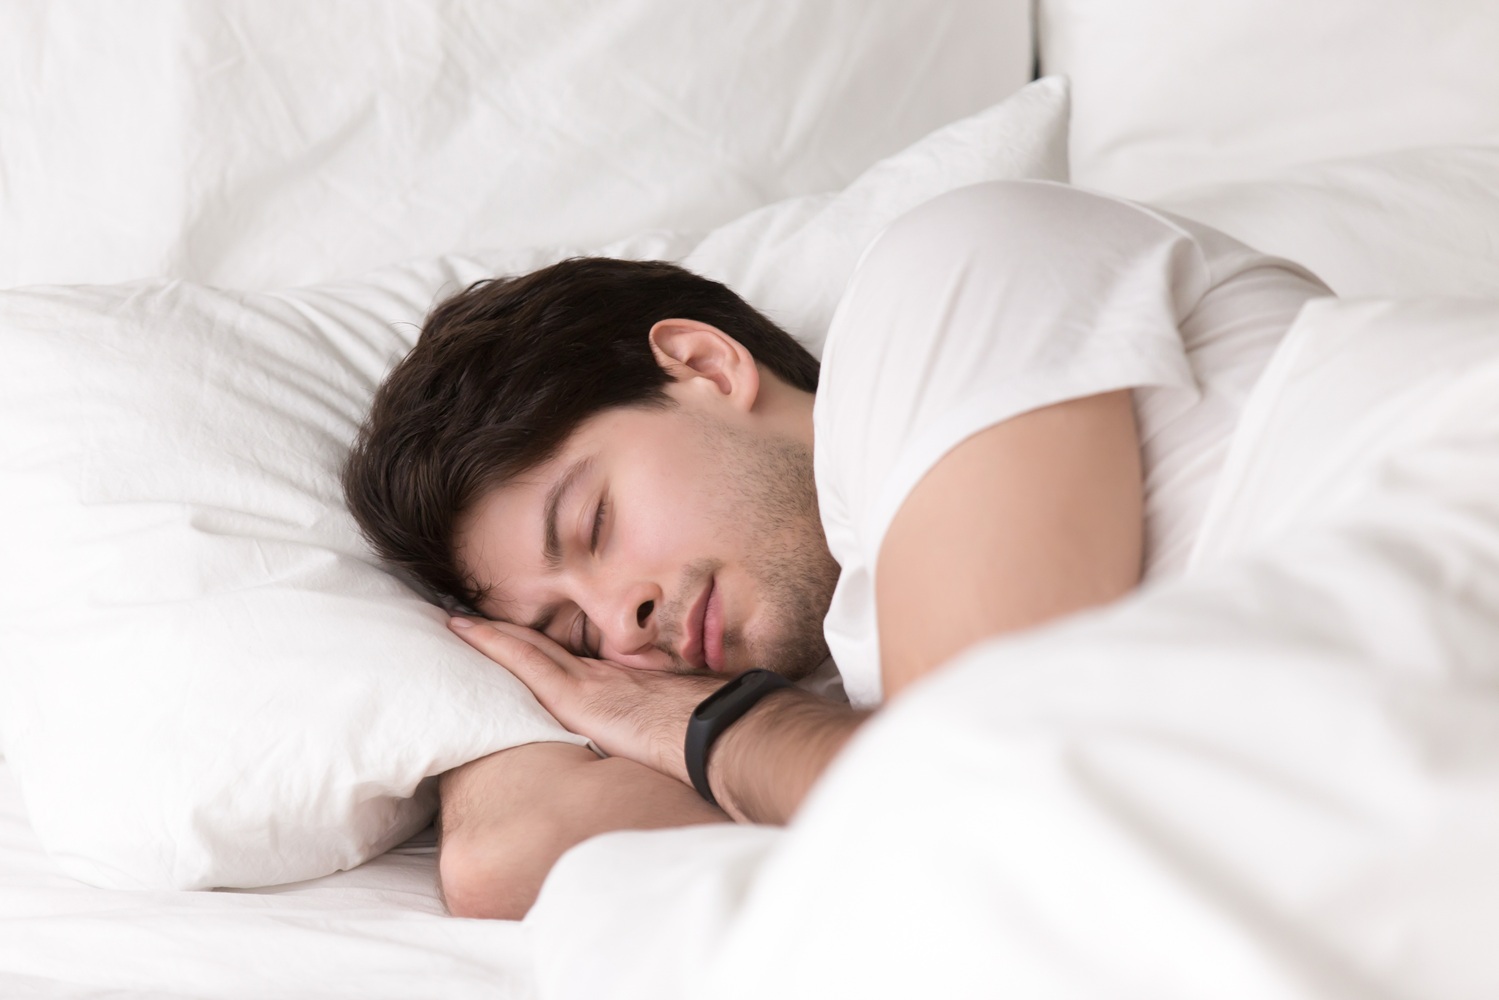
979	306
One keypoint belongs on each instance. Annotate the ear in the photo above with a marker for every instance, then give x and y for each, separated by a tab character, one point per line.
689	350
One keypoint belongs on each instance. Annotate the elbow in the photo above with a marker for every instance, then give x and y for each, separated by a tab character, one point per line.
489	877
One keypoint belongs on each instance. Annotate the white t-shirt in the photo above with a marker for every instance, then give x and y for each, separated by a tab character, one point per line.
1006	297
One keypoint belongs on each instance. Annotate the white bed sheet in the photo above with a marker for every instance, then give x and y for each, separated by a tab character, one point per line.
374	932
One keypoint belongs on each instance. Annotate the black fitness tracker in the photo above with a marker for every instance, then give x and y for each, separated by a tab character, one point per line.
718	712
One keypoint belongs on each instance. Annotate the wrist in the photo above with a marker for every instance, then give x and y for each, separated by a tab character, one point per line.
763	767
716	714
734	753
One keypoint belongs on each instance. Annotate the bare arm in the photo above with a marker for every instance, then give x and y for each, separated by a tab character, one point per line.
1027	520
508	817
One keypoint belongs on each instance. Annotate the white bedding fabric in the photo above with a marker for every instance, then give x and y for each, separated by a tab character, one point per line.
371	933
1276	781
1408	222
1180	93
277	143
1277	777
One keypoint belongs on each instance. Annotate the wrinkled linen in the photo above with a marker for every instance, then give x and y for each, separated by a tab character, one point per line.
278	143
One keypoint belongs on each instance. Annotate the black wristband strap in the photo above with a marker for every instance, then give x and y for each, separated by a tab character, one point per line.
718	712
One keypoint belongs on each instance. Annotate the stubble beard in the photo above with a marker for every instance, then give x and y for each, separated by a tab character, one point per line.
770	488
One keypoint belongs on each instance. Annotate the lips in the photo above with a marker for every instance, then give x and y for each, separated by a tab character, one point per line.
713	629
694	625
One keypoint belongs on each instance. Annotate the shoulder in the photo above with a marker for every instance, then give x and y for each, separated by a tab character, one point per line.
1044	249
982	304
1006	278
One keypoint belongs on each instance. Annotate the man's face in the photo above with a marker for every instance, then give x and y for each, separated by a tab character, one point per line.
665	539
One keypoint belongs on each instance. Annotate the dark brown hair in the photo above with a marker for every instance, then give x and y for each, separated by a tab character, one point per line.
504	372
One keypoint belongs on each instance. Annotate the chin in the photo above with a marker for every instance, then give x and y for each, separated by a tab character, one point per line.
792	666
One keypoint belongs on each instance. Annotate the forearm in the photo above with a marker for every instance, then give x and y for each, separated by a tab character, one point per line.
761	768
508	817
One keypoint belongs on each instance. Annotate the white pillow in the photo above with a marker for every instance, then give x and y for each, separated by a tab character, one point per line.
1169	94
279	143
207	681
1018	138
1412	222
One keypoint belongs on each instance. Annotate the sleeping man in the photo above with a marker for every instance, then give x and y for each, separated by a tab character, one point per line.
647	494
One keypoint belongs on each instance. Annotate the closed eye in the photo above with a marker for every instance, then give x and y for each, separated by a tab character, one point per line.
579	638
579	642
598	524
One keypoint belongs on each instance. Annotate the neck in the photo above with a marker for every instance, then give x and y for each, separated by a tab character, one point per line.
789	410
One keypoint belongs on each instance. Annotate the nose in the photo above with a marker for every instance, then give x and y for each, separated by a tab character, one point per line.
630	627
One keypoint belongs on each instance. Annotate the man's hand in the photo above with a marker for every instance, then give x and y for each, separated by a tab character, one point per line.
640	715
761	768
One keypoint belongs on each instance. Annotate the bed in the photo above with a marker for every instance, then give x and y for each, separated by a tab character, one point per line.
1274	775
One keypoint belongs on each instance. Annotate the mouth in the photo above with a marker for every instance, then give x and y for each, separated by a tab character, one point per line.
701	643
713	629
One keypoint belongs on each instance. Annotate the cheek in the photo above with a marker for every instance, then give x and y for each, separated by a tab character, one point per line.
674	502
671	521
668	529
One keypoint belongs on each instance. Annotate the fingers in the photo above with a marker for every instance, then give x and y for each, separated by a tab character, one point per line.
553	674
529	655
554	649
639	714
